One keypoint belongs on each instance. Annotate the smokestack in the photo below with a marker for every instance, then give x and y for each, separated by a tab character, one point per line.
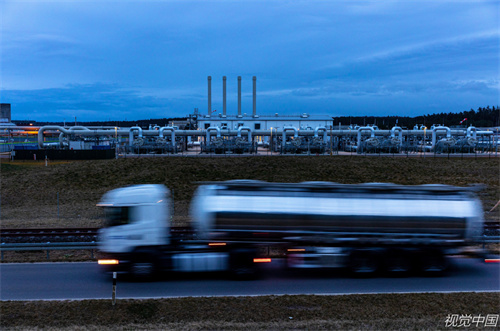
239	96
224	96
254	96
209	95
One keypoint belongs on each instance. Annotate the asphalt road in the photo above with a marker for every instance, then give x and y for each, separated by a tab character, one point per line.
49	281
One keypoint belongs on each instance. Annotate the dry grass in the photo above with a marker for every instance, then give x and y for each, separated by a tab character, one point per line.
29	189
28	199
54	256
347	312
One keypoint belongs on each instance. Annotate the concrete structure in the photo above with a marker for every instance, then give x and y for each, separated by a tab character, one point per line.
5	116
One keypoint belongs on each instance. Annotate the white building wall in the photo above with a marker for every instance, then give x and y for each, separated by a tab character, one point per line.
265	124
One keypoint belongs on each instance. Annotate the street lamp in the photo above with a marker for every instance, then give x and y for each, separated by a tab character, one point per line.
271	142
331	138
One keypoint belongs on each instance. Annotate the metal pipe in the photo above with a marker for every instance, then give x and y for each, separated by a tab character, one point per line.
469	132
241	128
316	132
212	128
239	96
393	134
168	128
290	128
41	144
385	133
71	131
434	134
131	134
61	139
126	132
365	128
74	128
224	95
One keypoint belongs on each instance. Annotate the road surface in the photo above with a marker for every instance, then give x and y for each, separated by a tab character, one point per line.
57	281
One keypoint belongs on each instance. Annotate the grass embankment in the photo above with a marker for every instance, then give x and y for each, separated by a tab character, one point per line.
427	311
29	189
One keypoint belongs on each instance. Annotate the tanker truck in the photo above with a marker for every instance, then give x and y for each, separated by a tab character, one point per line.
365	228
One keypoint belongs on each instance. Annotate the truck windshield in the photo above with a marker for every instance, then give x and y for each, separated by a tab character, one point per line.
116	216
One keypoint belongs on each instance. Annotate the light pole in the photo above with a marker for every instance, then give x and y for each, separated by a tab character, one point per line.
331	138
271	142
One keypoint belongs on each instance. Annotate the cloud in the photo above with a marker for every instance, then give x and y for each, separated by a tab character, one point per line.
152	58
474	53
347	89
89	102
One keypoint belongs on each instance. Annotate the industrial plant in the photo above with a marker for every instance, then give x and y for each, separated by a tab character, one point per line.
239	133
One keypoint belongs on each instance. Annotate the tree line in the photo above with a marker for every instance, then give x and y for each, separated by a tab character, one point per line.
482	117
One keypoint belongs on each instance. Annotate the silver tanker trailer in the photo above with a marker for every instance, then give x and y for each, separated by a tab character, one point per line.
364	227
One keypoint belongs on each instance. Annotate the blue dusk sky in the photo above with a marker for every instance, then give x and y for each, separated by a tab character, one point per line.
100	60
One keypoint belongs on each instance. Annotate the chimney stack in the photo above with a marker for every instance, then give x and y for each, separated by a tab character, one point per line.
239	96
254	96
224	96
209	95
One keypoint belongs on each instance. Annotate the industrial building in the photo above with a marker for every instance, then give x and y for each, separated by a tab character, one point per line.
255	121
5	115
238	133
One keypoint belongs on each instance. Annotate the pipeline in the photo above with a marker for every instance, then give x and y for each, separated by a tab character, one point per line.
316	132
168	128
365	128
131	134
71	131
469	132
43	145
241	128
434	134
393	134
212	128
290	128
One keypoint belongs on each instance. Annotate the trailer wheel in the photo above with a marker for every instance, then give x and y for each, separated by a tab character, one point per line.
433	263
398	263
363	263
142	266
241	264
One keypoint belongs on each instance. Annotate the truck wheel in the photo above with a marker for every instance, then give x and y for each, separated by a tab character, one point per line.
142	267
433	263
363	263
398	263
241	264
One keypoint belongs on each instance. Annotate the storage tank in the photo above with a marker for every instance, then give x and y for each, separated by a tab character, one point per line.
373	213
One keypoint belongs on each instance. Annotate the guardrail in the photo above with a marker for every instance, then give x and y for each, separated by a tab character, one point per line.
93	245
48	247
491	239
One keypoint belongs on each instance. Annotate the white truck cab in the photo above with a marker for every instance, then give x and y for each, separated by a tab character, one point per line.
135	216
